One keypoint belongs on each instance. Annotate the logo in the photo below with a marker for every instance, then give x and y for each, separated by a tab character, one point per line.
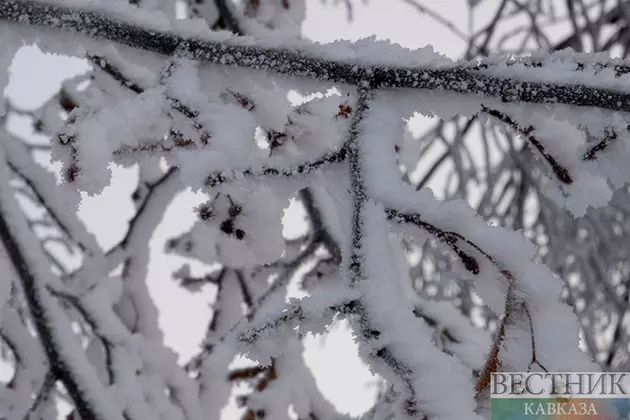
560	396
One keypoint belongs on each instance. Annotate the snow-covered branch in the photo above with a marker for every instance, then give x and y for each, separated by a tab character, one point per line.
151	34
409	272
64	353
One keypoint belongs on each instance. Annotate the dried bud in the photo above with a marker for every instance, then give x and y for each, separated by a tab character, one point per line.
205	211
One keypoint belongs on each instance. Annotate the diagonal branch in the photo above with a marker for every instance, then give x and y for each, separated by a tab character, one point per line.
451	239
560	171
60	350
159	195
314	62
609	137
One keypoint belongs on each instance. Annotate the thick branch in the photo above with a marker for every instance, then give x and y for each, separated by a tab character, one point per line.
359	195
316	220
319	64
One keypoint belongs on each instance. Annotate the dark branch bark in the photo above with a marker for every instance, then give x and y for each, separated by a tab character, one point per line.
450	239
33	294
464	79
127	82
229	21
560	171
356	269
305	168
316	219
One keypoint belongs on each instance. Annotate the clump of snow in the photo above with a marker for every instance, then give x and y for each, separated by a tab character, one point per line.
248	222
563	142
434	374
96	134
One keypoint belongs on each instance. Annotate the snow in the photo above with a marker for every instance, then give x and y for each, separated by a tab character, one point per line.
566	66
233	231
368	51
128	122
9	45
63	345
328	206
534	283
442	385
473	343
248	149
564	143
33	366
7	281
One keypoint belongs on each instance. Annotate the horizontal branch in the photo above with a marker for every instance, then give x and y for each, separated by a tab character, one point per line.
320	64
154	148
303	168
158	196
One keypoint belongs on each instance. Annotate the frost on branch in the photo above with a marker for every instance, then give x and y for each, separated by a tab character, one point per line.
241	228
215	107
126	122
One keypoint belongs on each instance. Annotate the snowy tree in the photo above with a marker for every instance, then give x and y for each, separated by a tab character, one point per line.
441	287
